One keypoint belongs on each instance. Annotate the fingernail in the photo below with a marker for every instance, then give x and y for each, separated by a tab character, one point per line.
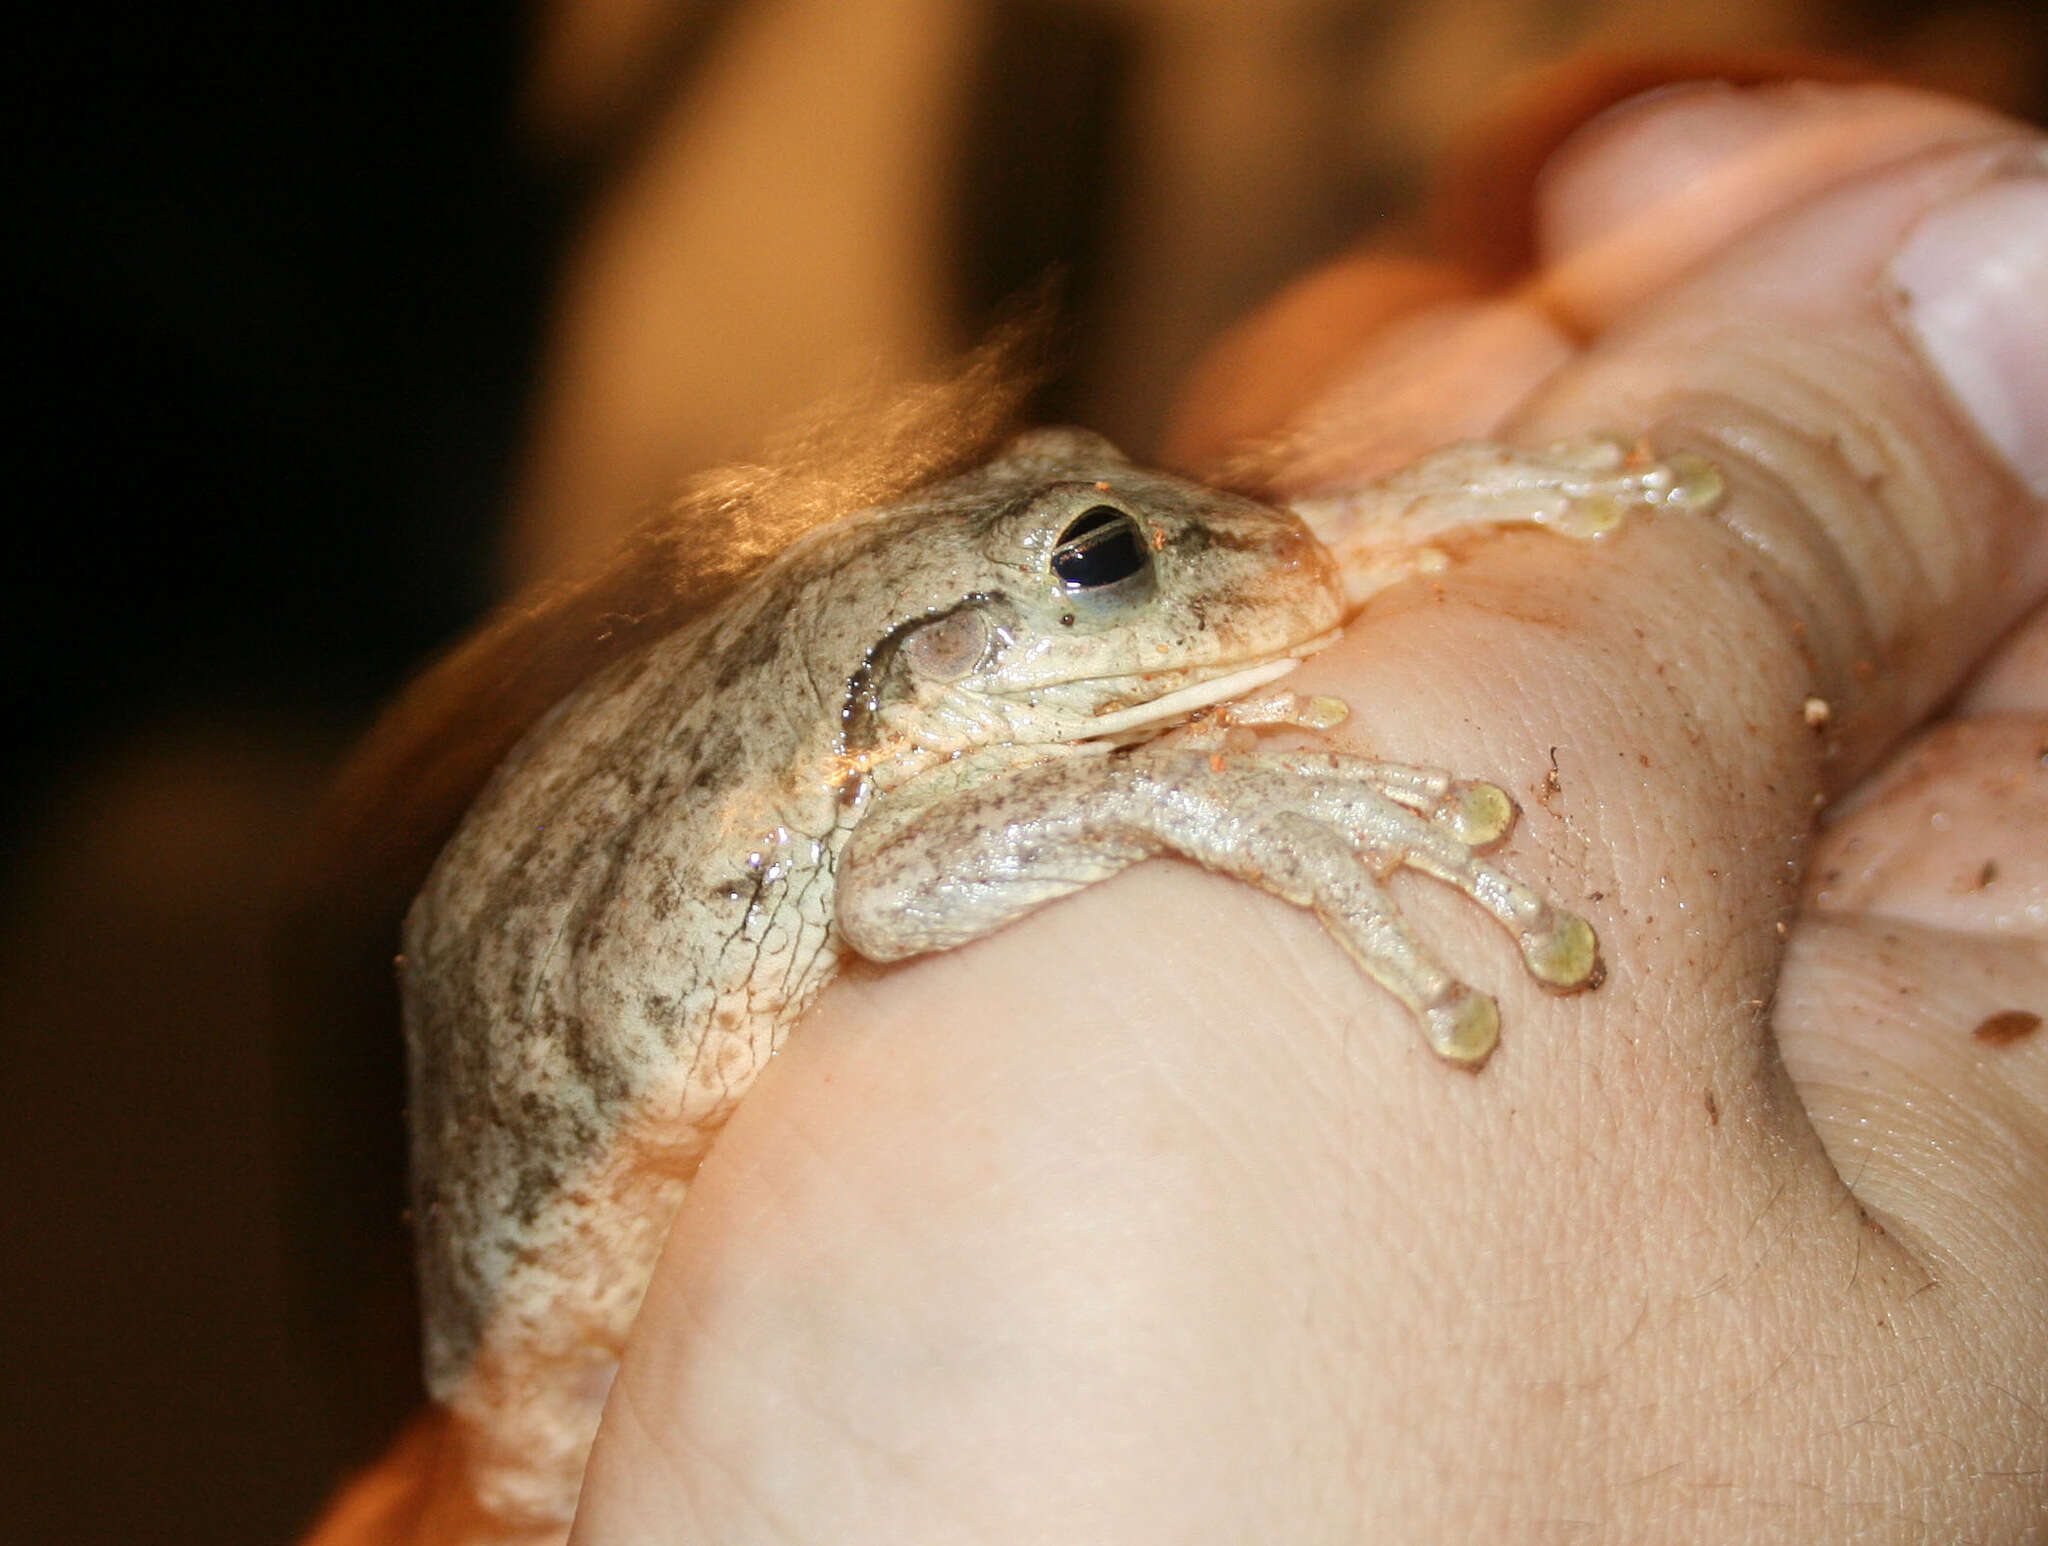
1972	292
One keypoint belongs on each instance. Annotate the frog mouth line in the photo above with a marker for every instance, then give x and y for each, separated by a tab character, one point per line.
1183	701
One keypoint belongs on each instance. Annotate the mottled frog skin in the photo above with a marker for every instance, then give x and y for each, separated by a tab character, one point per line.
914	726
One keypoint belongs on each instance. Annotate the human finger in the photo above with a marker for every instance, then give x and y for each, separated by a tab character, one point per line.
1647	191
1865	369
1917	978
1865	372
1373	361
1917	984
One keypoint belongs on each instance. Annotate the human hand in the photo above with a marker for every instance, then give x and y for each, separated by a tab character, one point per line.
1147	1219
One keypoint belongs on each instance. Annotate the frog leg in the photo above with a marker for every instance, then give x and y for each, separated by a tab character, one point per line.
972	861
1471	813
1558	947
1315	866
931	870
1380	532
1581	488
1477	814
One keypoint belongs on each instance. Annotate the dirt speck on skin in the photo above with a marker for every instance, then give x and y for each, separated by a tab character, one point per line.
2006	1027
1552	786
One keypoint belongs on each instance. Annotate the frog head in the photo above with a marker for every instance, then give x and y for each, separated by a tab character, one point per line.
1089	599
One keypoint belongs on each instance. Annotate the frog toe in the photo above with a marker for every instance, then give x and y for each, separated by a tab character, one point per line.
1477	815
1463	1027
1563	952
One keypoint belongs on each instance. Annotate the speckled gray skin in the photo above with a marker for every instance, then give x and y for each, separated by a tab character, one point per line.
914	726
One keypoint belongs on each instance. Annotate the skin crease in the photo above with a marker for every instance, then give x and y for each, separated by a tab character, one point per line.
1145	1220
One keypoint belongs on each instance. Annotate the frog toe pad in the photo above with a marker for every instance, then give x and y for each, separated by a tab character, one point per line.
1562	953
1463	1028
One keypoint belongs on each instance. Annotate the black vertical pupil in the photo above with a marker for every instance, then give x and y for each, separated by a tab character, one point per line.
1099	547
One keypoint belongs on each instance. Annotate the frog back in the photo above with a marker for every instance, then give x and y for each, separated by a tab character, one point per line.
611	946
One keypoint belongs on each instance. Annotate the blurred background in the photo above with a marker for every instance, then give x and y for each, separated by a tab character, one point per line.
340	322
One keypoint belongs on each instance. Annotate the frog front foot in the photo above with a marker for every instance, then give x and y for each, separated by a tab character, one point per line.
1382	532
1322	830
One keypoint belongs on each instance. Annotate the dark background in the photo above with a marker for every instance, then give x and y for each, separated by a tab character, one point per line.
286	272
283	280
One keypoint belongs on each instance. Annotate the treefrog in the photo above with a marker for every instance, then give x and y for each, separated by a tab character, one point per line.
913	726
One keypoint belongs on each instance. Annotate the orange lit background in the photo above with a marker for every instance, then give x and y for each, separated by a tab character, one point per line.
342	321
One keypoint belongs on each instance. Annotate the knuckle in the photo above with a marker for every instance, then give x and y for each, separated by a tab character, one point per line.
1874	519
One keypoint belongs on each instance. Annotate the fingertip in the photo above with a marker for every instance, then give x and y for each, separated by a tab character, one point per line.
1656	186
1972	293
1935	1127
1483	214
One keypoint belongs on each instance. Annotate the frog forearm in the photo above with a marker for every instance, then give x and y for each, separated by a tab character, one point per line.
1381	533
1317	831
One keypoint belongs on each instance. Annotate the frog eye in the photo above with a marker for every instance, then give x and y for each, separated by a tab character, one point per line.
946	650
1099	547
